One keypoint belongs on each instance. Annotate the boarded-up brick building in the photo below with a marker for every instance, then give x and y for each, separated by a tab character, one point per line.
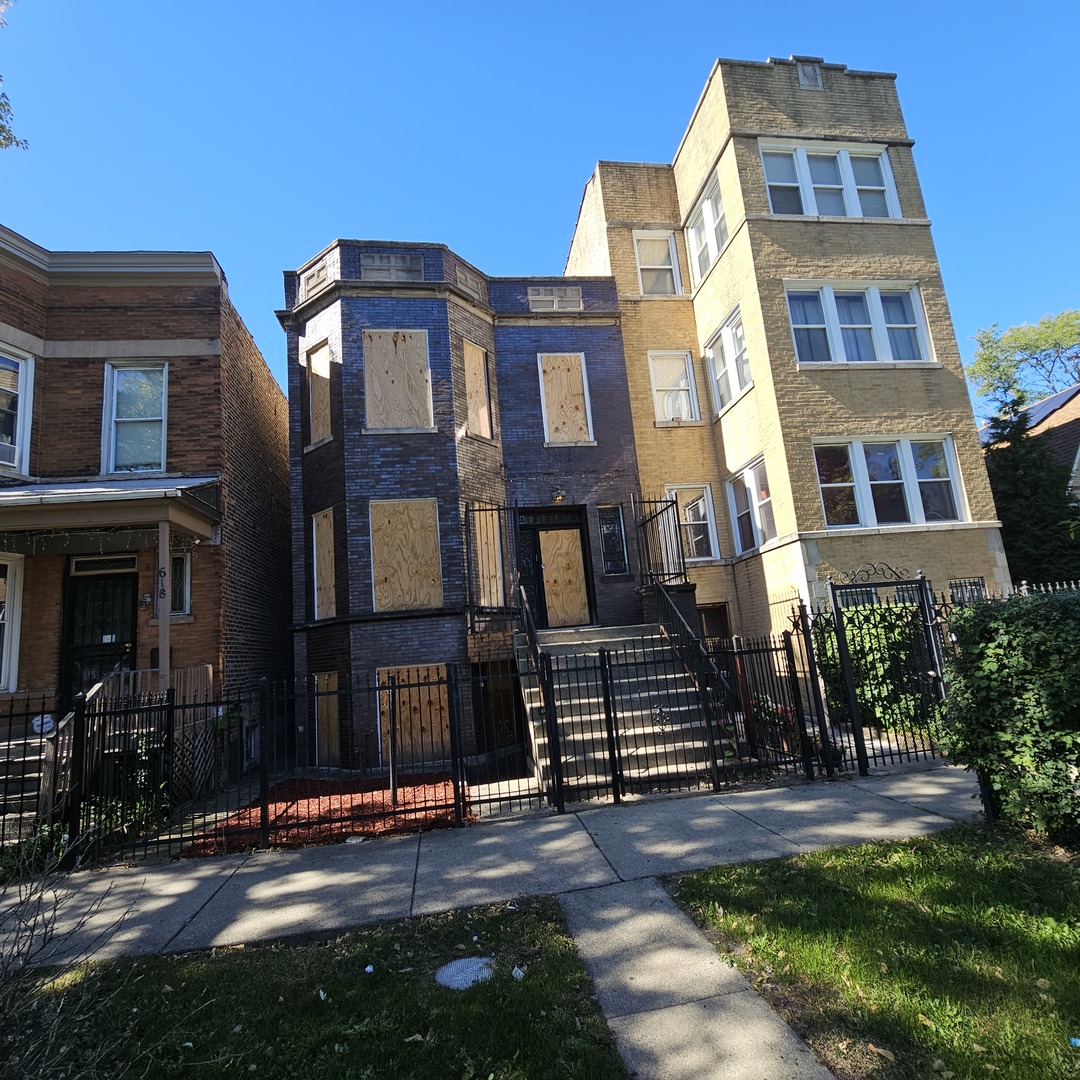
143	476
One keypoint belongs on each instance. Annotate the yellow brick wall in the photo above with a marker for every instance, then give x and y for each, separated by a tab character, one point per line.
589	249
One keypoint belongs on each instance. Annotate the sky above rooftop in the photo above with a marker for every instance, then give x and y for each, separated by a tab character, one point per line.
263	131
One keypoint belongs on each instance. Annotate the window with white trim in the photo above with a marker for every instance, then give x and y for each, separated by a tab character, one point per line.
134	427
16	383
697	523
856	322
11	567
564	399
729	367
657	263
899	481
751	507
706	231
555	298
674	393
817	180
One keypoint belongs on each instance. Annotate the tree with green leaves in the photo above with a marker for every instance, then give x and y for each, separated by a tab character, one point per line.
8	138
1039	516
1028	362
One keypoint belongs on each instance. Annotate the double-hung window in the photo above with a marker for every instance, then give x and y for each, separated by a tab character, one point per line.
897	481
134	427
707	231
857	322
674	394
818	180
657	263
729	368
697	525
751	507
16	382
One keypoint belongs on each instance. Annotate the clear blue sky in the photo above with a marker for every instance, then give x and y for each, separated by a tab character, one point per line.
262	131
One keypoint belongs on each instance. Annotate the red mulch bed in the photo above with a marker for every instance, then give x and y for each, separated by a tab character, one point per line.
307	812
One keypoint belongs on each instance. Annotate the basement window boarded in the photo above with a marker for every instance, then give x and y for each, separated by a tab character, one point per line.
414	704
406	568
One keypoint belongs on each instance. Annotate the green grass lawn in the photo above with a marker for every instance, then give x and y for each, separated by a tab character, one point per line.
314	1010
952	956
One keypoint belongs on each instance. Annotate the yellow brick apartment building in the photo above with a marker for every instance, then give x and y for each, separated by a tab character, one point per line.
794	377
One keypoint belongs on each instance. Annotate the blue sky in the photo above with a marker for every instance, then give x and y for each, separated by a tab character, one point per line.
262	131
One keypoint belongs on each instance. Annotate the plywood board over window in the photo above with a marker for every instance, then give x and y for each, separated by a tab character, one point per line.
487	543
565	398
405	566
318	368
323	550
397	380
327	721
477	391
417	701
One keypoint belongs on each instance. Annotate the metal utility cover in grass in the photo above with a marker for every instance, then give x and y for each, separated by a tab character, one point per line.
463	973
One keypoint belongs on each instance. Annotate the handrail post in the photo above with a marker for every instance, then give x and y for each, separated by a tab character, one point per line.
547	686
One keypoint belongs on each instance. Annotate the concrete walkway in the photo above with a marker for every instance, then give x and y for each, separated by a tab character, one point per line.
675	1009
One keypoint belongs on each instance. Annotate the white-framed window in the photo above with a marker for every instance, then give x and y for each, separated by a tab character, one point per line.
751	507
697	522
16	406
890	481
613	540
706	231
674	392
857	322
11	579
729	367
657	263
564	399
820	180
133	432
555	298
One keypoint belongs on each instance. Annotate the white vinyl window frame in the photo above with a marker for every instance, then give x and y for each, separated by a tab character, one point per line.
833	336
697	521
112	422
706	232
750	503
15	447
673	400
11	569
859	486
650	269
851	187
728	363
548	441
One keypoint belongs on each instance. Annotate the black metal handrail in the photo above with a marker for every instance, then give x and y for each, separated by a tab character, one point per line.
660	552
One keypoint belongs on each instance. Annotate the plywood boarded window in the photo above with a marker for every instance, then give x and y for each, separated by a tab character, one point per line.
397	380
406	569
323	559
327	721
318	370
564	396
487	546
414	702
477	390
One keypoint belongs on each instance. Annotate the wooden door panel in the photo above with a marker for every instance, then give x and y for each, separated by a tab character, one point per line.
564	577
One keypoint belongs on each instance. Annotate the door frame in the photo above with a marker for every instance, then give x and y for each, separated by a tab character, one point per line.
533	520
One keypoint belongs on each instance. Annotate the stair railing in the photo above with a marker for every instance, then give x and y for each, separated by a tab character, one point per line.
541	665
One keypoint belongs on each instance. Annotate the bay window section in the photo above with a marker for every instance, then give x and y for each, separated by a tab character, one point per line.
875	482
707	231
729	366
857	322
751	508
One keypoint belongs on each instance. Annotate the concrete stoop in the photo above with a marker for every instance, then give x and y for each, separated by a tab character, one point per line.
677	1011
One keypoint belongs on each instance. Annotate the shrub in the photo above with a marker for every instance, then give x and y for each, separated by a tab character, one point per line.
1013	708
893	684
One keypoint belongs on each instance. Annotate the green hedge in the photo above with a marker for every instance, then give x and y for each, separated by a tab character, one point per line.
1013	707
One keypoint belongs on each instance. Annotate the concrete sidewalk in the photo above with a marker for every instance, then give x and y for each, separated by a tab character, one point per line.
676	1011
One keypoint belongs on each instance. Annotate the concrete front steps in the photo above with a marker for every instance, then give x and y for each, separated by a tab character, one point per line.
660	735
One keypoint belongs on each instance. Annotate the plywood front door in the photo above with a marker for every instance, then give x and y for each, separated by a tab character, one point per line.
566	599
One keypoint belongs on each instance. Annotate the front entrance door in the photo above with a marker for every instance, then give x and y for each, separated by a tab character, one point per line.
552	566
99	629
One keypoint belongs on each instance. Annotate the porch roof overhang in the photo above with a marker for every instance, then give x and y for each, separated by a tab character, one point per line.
189	504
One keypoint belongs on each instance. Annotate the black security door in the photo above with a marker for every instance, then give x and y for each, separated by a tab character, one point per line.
99	629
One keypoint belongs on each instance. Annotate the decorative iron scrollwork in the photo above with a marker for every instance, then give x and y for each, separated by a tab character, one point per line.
869	572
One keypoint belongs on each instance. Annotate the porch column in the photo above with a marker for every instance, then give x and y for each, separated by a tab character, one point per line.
164	605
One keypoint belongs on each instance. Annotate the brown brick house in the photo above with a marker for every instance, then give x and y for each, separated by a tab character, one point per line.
143	473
